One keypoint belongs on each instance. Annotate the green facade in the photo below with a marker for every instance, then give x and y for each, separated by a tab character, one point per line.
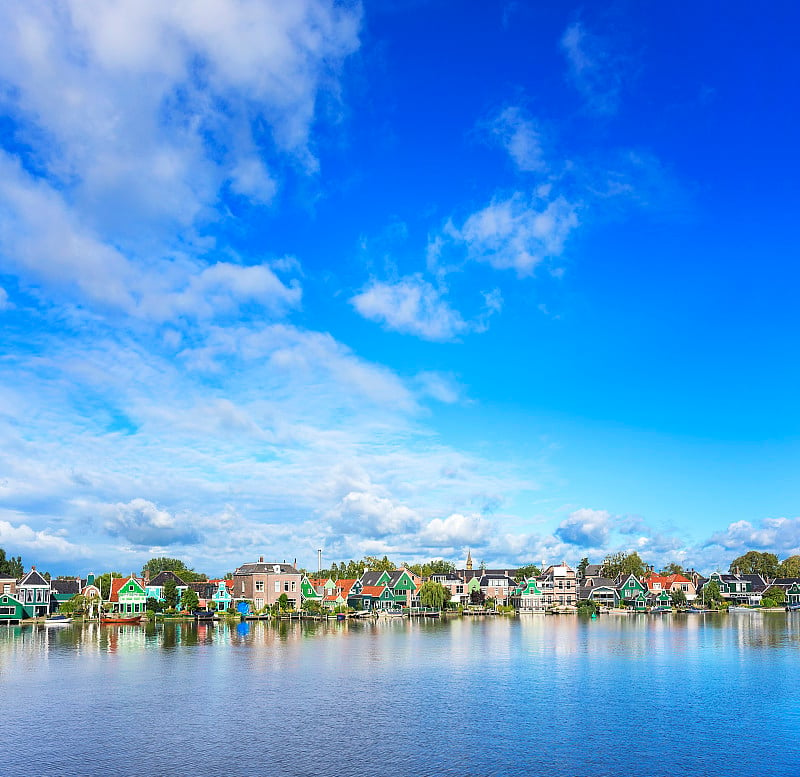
11	609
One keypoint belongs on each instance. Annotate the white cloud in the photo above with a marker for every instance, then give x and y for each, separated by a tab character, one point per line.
5	303
368	514
593	68
585	528
519	232
411	305
455	531
142	523
780	535
521	138
43	543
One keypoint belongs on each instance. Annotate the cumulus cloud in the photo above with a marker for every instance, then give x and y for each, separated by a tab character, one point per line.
5	303
519	232
455	531
368	514
142	523
585	528
781	535
133	119
42	542
411	305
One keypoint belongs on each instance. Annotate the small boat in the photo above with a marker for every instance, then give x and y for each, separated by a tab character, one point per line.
694	610
120	620
793	608
203	615
660	610
58	620
739	608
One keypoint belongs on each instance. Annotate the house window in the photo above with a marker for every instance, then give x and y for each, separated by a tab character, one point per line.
259	585
294	585
6	589
286	586
277	586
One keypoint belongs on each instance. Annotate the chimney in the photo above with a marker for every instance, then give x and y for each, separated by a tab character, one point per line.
260	559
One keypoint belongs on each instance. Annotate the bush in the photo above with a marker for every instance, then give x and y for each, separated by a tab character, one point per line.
768	602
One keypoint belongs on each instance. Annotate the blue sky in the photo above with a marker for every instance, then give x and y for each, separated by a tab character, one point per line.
403	278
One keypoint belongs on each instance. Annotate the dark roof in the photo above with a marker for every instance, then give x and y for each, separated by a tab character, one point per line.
467	574
757	581
266	568
592	570
66	587
162	578
496	576
787	581
449	576
33	578
594	582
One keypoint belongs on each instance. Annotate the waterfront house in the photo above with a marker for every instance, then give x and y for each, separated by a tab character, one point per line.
128	596
62	590
497	587
323	586
338	597
91	594
790	587
34	593
264	583
11	609
453	583
154	588
659	599
528	597
558	585
657	583
222	596
600	590
308	592
401	584
371	597
737	589
633	593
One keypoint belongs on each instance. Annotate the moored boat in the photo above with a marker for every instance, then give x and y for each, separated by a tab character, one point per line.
58	620
121	620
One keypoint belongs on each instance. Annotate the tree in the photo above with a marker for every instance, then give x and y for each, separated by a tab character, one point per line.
755	563
587	607
523	573
673	569
189	600
164	564
312	606
789	567
283	602
711	593
582	568
477	597
376	564
74	606
678	596
170	594
778	595
436	566
103	582
12	567
622	564
435	595
154	604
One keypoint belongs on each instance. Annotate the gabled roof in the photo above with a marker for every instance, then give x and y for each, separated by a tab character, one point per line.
592	570
345	584
757	582
162	577
66	587
33	578
786	580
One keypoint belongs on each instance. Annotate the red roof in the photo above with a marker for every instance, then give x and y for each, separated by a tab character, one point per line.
344	585
666	581
373	590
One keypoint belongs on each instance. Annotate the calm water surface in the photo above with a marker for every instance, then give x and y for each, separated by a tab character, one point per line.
622	695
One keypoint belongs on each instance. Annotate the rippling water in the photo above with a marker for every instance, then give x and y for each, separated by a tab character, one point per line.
535	695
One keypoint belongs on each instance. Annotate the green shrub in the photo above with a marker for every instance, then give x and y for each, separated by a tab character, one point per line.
768	602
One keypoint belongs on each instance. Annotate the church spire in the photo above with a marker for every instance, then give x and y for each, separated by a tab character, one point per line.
469	559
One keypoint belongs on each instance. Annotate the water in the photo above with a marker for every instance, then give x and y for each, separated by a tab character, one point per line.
535	695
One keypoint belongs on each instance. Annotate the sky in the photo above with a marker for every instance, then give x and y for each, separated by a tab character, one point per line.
401	278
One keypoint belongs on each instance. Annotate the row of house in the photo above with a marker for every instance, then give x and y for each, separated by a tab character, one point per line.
263	584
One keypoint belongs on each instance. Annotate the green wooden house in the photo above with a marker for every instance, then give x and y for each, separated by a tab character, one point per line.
128	596
308	592
633	593
11	609
34	593
399	582
527	596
